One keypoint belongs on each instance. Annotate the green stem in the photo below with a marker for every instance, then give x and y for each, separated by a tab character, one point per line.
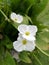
37	59
29	19
28	8
4	15
42	51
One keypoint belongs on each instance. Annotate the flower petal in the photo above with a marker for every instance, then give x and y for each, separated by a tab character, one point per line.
19	37
22	28
13	16
16	17
18	46
19	18
30	46
30	37
33	29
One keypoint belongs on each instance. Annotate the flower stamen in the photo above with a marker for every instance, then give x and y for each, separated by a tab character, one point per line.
24	41
15	19
27	33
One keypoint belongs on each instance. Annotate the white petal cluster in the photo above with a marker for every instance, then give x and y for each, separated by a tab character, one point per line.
23	44
26	38
28	31
16	17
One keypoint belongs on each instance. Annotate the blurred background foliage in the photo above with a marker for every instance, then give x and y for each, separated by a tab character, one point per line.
35	12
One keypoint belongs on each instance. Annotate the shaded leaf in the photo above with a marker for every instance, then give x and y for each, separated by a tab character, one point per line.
7	42
24	57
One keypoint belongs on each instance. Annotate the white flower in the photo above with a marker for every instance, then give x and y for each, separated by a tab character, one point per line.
28	31
16	17
22	44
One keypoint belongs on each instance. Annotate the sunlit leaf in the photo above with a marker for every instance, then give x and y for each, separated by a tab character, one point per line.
44	16
8	60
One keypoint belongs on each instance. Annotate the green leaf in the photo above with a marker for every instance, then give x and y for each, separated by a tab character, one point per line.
44	16
43	37
8	60
30	4
43	40
5	57
38	7
1	54
32	1
7	42
1	60
24	57
14	4
39	58
5	5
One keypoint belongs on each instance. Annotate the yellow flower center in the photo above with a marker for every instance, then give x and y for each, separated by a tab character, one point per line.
24	41
15	19
27	33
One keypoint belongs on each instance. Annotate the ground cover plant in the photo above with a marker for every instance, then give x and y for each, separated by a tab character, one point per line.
24	32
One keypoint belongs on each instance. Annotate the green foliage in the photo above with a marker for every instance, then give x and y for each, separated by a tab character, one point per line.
7	42
24	57
35	12
8	60
5	57
44	16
